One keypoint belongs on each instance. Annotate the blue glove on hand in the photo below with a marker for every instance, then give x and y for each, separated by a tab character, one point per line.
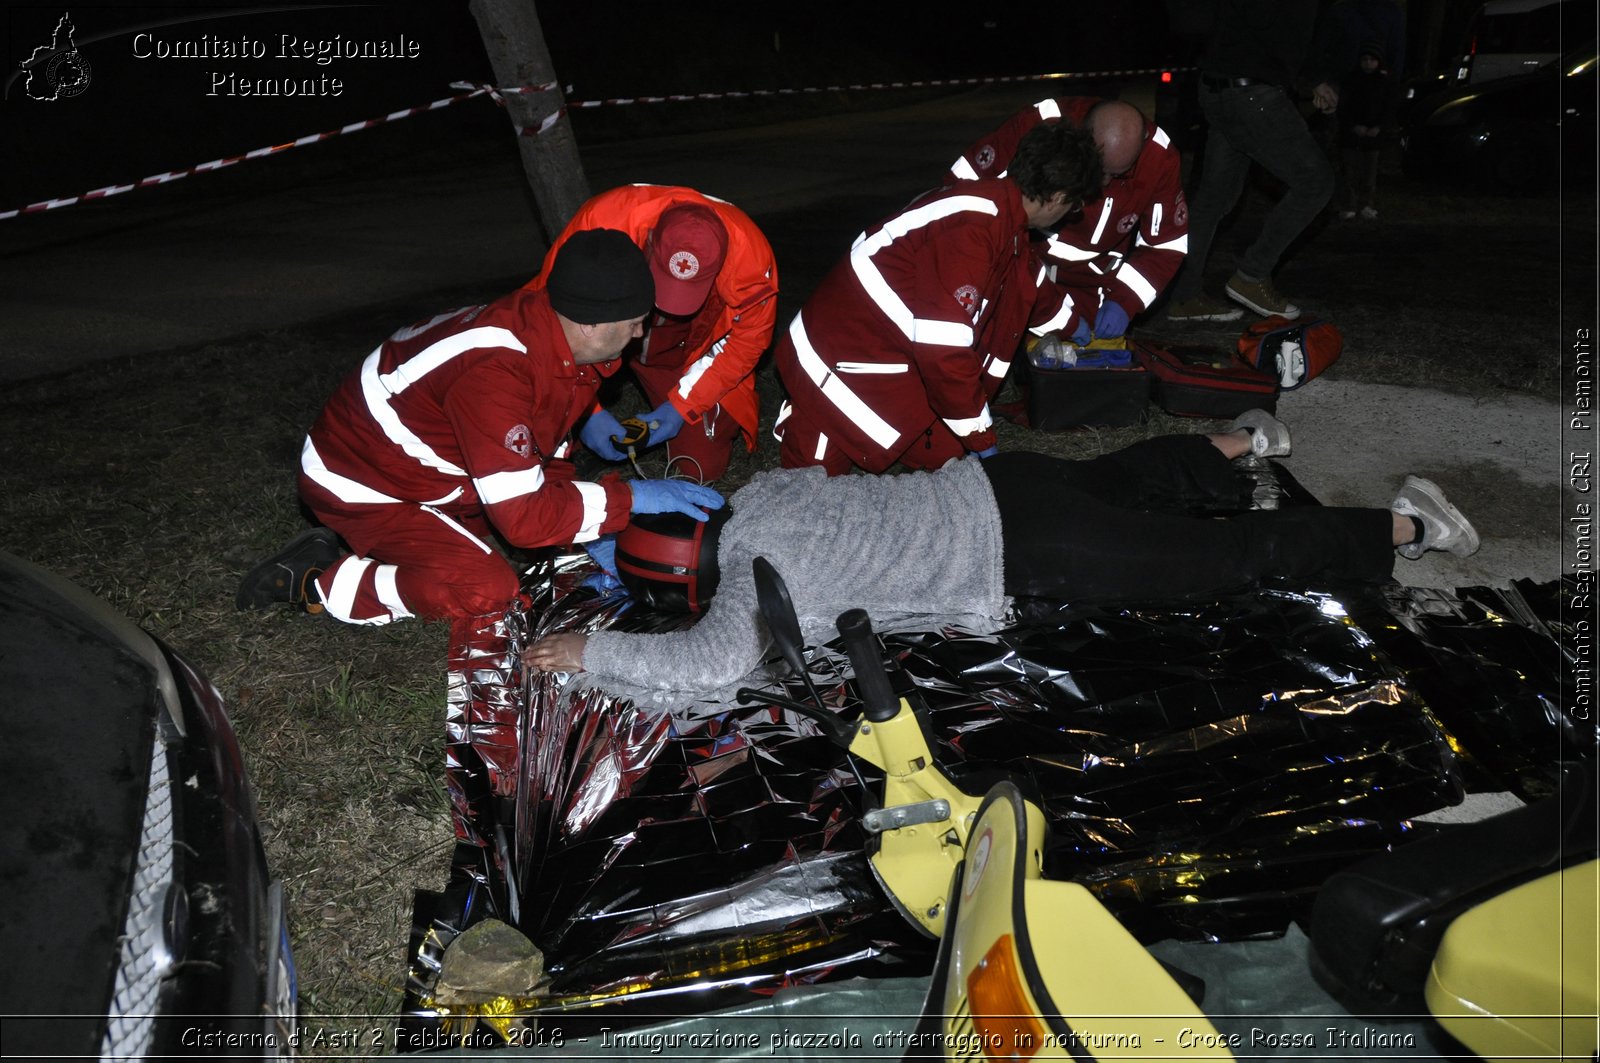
597	432
673	496
1111	322
603	552
604	584
667	420
1083	334
987	452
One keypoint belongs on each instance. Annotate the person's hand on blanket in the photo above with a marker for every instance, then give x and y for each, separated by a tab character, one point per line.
556	653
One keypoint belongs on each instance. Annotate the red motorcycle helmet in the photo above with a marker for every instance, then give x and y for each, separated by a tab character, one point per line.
668	561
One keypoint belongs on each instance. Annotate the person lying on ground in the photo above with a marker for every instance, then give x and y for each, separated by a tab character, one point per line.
965	539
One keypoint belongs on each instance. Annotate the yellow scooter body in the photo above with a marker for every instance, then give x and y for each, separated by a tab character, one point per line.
1040	969
914	863
1515	977
1020	944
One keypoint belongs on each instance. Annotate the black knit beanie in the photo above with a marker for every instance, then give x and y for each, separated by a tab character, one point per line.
600	275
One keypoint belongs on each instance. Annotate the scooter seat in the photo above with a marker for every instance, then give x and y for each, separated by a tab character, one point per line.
1376	926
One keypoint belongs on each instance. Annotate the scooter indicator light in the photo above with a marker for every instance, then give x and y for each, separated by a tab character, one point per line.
1003	1014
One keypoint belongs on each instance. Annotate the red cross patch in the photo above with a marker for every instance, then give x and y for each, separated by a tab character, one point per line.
519	440
684	265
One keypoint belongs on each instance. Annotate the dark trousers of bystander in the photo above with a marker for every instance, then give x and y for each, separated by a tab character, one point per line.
1253	124
1120	527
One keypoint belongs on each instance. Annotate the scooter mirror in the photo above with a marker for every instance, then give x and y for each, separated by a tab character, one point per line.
777	609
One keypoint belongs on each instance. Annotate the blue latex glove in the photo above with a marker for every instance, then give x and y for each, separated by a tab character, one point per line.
1111	322
603	552
987	452
1083	334
604	584
673	496
668	422
597	432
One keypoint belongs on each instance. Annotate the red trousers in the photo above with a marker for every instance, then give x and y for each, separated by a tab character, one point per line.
409	560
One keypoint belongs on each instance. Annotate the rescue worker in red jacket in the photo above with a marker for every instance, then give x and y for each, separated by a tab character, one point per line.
897	353
716	303
460	424
1127	244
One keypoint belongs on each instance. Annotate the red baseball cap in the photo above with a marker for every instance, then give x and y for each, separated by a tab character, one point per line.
686	252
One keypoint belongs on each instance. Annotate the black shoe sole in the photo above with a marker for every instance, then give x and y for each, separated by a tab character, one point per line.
316	547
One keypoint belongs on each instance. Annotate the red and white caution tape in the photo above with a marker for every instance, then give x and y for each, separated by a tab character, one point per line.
498	94
864	86
218	164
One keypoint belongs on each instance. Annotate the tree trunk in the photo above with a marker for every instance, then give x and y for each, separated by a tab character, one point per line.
515	44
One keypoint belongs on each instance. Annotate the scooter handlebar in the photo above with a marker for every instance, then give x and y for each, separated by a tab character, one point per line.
872	680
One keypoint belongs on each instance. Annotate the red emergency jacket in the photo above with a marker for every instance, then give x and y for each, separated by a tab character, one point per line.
728	336
920	322
467	413
1132	240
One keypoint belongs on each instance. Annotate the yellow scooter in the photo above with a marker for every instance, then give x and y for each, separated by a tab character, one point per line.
1028	968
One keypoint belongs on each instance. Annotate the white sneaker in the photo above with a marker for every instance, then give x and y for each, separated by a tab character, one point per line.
1269	437
1347	215
1369	213
1443	526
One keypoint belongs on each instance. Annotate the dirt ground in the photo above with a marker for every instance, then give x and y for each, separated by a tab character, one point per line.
164	355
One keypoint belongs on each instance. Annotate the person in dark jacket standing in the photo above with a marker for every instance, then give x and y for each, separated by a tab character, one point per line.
1365	98
1255	54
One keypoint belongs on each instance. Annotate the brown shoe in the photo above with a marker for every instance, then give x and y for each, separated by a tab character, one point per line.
1261	297
1203	308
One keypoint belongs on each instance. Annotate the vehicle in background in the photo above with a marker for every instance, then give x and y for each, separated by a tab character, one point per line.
1516	134
140	918
1507	38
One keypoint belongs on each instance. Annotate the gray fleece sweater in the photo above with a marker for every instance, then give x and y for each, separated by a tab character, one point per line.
918	543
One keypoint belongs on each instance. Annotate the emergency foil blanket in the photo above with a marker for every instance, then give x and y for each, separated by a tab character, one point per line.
1203	767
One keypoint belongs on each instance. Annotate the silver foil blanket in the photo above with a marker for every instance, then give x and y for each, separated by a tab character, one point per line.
1203	767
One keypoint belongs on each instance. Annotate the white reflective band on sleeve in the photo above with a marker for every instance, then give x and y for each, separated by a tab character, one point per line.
563	449
1048	109
1136	283
941	333
822	447
383	581
1160	139
868	368
341	487
1057	321
944	333
378	388
836	391
1059	248
1155	221
434	355
1105	216
500	486
785	408
1179	244
965	426
452	524
692	375
963	170
998	367
594	510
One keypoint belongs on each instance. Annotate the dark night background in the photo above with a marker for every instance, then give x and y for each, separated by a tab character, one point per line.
145	116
